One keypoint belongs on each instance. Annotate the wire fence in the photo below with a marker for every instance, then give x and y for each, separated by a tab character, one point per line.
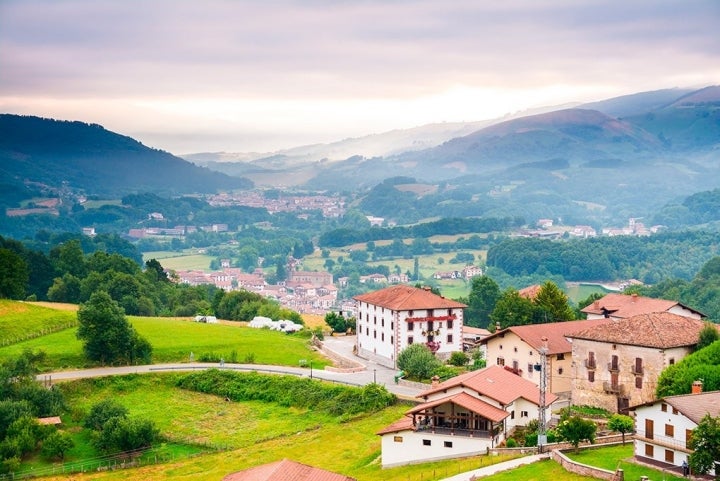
7	341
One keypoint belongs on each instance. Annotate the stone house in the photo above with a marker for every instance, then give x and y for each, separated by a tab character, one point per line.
391	319
664	427
517	349
463	416
617	364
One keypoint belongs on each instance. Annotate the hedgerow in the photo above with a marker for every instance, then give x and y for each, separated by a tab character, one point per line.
289	391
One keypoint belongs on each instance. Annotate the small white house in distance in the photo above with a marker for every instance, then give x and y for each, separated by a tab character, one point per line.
463	416
664	427
206	319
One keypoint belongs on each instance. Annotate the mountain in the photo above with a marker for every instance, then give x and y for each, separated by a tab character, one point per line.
580	165
41	154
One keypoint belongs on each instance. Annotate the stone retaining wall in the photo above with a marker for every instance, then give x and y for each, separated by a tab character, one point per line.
585	470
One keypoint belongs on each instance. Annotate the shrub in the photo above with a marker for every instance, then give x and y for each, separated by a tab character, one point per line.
446	372
459	358
511	443
418	362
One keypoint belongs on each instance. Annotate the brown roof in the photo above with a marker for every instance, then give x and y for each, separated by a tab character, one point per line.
555	333
467	401
403	424
530	292
624	306
405	298
52	420
286	470
661	330
692	406
496	383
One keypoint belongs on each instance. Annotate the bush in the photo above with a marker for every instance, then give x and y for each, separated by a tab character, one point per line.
446	372
459	358
101	412
418	362
511	443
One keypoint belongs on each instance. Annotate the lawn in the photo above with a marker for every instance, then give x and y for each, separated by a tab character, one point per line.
173	340
182	262
614	457
19	320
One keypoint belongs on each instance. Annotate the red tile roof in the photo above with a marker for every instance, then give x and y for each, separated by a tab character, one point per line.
286	470
530	292
405	298
555	333
661	330
403	424
467	401
495	383
624	306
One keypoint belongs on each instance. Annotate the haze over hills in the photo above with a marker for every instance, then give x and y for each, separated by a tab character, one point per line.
38	153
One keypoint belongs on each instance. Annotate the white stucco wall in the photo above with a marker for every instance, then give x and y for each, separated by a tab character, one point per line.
406	447
661	442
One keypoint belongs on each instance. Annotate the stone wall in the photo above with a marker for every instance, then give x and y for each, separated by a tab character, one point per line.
585	470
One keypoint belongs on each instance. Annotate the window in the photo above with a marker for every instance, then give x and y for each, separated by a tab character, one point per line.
638	368
512	414
672	361
374	334
638	382
523	414
669	456
501	347
649	429
591	376
382	322
398	439
392	325
450	324
675	411
382	336
449	338
560	357
560	371
614	365
663	407
410	340
391	340
411	326
530	369
374	320
427	442
669	430
649	451
515	349
448	444
500	361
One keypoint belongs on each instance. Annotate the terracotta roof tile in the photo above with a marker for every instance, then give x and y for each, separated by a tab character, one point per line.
468	402
624	306
554	331
404	298
403	424
495	383
286	470
661	330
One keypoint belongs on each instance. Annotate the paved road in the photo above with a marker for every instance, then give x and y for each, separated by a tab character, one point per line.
342	346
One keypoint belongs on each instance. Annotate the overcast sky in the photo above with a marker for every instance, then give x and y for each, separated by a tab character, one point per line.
238	76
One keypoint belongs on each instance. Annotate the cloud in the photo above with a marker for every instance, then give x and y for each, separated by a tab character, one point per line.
221	61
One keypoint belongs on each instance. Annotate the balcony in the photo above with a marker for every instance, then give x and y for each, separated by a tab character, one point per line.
612	388
613	367
637	370
590	363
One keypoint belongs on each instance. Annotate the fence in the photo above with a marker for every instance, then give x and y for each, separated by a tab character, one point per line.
33	335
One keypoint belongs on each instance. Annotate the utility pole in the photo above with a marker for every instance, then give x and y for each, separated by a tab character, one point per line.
542	436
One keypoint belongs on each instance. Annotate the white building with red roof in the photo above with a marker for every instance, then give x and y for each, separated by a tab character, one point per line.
622	306
391	319
664	427
463	416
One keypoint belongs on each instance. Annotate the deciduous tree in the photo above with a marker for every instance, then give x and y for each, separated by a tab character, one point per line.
622	424
705	442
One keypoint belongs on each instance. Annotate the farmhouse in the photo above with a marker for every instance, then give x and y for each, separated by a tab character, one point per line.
617	364
391	319
622	306
463	416
518	348
664	427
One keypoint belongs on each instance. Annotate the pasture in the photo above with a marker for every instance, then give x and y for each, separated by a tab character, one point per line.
172	339
21	321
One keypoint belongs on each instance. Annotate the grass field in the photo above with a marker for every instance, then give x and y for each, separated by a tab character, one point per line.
20	320
180	262
172	339
615	457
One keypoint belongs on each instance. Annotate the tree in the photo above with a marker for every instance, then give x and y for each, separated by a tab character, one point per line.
576	429
512	309
336	322
622	424
14	275
56	445
106	334
484	293
417	361
708	334
102	411
459	358
705	443
553	304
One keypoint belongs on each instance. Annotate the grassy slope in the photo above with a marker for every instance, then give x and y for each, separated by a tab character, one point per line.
20	320
173	340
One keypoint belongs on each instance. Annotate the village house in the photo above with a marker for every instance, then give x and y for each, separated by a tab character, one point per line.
286	470
463	416
317	279
622	306
617	364
518	348
663	427
469	272
391	319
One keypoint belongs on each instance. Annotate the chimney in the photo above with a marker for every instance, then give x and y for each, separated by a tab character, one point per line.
634	296
435	380
697	386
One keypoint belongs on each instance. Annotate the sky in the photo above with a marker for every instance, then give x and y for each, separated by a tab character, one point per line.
259	76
